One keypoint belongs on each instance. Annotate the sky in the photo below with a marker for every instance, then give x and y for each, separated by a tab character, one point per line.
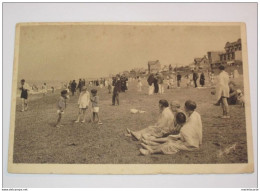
65	52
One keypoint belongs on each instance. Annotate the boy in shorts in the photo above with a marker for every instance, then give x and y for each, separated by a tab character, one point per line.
25	88
61	105
95	108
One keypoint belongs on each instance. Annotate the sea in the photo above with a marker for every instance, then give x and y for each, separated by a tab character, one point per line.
36	85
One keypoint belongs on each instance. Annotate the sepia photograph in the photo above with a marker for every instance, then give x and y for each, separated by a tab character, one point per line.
130	98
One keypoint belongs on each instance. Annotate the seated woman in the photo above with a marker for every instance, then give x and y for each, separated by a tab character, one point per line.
180	119
189	139
163	126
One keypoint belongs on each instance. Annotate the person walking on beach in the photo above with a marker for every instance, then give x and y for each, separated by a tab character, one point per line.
83	102
73	87
61	105
109	87
178	79
202	79
116	90
80	85
113	83
195	77
123	83
155	83
168	82
160	82
150	81
25	88
212	78
95	106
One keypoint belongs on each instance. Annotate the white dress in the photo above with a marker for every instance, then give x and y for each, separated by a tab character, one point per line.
84	99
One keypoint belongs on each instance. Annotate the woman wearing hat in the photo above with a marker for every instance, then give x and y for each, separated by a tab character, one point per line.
222	90
189	139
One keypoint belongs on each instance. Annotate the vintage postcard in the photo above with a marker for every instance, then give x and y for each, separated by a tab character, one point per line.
130	98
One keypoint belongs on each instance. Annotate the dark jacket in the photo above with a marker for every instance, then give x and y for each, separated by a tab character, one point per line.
150	80
195	75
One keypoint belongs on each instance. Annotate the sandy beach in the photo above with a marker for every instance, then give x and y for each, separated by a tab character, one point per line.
38	141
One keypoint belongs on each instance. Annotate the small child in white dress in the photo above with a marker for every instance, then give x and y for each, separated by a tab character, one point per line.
83	102
139	84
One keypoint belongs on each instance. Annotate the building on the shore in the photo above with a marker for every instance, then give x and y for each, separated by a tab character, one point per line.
137	72
165	68
232	54
154	66
214	58
191	66
201	63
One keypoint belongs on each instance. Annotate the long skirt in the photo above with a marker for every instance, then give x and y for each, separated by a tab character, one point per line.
146	133
156	88
172	147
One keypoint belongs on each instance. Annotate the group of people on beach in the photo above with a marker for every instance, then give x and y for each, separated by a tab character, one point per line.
84	102
118	84
74	86
176	129
115	85
156	81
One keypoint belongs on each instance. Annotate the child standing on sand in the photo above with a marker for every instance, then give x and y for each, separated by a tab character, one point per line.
84	99
61	105
95	108
25	88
